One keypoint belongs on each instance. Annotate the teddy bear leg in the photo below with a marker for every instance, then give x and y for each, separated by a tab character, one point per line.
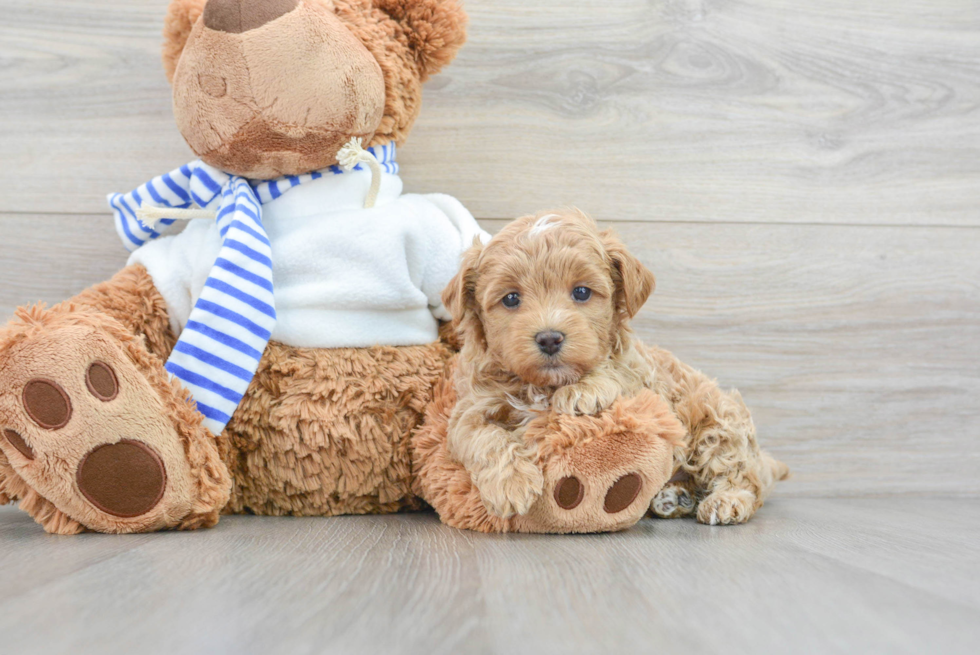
600	472
94	433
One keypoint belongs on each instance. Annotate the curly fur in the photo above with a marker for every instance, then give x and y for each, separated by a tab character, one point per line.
504	379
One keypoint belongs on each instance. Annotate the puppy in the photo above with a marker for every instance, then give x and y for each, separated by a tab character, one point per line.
543	313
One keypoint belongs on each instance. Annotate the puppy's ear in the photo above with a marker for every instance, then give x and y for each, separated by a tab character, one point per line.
181	16
634	281
459	297
434	30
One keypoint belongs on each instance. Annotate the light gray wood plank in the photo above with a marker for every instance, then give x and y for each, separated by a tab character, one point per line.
857	348
756	111
408	584
50	257
40	559
897	540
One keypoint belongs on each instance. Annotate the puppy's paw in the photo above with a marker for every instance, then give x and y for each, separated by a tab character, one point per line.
727	507
584	400
511	490
673	502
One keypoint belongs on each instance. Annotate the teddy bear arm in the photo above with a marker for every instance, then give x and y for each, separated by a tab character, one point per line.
600	472
603	470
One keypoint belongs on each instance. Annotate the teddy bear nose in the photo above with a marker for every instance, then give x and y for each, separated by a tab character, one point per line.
237	16
549	342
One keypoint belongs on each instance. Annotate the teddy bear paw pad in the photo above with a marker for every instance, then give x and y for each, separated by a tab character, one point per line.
588	500
124	479
570	492
622	493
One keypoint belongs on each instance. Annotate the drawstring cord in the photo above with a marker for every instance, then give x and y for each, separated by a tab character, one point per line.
352	154
152	215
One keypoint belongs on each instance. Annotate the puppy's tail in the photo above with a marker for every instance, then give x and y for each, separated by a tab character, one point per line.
779	470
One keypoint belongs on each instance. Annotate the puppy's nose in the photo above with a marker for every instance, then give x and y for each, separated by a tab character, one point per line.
237	16
549	342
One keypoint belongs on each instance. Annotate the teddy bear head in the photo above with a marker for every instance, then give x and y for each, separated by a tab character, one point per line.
266	88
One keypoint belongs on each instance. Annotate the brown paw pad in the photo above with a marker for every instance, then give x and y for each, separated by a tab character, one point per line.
124	479
14	439
101	381
47	404
622	493
569	492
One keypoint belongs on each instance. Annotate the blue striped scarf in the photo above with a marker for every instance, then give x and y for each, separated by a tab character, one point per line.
231	323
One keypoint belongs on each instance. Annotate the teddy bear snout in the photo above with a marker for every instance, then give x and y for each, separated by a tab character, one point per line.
238	16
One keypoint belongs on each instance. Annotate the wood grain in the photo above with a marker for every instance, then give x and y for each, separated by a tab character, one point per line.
885	575
680	110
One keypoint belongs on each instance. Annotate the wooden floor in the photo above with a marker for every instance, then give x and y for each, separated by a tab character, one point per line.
806	575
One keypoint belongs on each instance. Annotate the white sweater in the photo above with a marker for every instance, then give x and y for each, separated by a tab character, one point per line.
344	276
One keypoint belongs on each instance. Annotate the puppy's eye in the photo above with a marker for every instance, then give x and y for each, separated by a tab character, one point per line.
511	300
581	294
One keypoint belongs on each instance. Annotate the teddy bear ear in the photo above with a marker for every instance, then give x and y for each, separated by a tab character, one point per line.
181	16
434	30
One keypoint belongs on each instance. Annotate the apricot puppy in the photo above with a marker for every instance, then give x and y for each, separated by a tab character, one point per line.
543	312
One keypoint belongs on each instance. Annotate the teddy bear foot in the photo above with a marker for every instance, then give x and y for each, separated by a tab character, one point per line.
94	434
600	472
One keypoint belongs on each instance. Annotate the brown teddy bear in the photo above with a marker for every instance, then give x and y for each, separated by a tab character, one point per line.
275	356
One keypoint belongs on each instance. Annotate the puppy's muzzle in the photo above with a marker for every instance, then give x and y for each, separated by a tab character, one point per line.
549	342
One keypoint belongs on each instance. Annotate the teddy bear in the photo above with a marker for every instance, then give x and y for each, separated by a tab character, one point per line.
276	356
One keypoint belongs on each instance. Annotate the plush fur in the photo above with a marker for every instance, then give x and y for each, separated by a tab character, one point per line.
555	274
326	431
177	26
